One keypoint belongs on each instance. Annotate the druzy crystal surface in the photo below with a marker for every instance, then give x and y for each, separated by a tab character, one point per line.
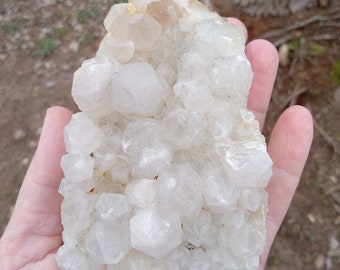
166	168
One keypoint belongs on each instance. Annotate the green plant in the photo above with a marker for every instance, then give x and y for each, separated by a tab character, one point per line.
82	16
49	43
276	261
312	239
87	39
14	25
59	33
90	12
94	12
21	114
62	14
4	1
46	47
296	44
335	72
317	49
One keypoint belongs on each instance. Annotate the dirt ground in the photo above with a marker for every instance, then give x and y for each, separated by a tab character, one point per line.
43	42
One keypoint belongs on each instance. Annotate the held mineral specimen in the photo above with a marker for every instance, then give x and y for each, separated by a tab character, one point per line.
166	168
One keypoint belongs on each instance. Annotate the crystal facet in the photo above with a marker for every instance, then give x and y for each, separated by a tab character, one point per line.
155	231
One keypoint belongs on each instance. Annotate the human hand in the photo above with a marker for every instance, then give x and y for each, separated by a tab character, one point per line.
33	234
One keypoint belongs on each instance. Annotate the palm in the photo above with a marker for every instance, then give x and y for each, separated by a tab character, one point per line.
33	235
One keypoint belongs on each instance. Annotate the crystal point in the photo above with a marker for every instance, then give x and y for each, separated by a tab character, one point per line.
141	93
108	243
155	231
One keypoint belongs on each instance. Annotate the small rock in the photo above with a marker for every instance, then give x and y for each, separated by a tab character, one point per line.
311	218
337	220
32	144
334	243
46	3
48	65
25	161
69	3
38	131
333	179
65	67
320	261
324	3
74	46
284	54
38	65
50	84
337	97
295	6
19	134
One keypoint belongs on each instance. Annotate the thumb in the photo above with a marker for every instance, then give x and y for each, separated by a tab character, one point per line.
38	194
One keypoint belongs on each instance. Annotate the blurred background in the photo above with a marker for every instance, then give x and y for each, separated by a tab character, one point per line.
43	42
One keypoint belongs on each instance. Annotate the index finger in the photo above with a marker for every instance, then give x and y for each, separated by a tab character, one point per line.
263	57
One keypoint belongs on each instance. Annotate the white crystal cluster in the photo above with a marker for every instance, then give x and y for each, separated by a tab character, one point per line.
166	168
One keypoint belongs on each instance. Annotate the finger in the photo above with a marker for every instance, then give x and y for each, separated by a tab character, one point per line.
289	147
38	196
240	24
264	61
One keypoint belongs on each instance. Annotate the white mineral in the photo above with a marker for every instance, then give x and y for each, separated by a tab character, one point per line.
166	168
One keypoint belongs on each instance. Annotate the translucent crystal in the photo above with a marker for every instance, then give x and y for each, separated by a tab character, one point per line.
195	229
244	241
108	242
141	143
144	31
117	21
112	206
166	169
181	127
194	95
141	193
248	164
116	49
181	189
224	259
251	199
97	99
82	136
140	93
234	218
199	260
220	194
155	231
152	160
76	215
68	188
227	80
221	121
178	258
78	167
72	259
164	11
138	261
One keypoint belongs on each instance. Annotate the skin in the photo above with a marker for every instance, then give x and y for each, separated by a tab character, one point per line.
33	234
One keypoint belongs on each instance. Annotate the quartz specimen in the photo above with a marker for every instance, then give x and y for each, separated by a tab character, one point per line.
166	168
